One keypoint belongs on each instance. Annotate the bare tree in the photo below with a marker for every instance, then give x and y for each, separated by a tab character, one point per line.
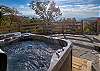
47	10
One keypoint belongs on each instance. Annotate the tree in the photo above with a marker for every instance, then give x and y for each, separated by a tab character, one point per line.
7	15
7	10
88	28
46	10
4	10
74	20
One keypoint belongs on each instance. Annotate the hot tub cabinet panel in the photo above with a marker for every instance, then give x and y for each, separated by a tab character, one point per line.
64	65
67	64
64	61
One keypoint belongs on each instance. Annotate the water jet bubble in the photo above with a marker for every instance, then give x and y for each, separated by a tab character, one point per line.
29	56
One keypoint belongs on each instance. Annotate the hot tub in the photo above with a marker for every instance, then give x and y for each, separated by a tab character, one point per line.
38	53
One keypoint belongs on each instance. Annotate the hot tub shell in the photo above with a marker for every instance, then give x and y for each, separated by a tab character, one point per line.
62	58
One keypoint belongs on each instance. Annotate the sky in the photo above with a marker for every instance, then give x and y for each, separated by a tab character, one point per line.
69	8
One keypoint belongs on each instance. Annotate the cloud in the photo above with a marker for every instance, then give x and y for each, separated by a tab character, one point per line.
78	1
28	4
80	11
25	10
79	8
68	10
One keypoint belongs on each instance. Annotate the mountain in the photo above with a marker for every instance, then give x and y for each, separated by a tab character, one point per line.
91	19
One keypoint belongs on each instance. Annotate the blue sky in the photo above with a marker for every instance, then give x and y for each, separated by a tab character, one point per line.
69	8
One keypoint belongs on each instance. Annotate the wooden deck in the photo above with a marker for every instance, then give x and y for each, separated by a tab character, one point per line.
79	64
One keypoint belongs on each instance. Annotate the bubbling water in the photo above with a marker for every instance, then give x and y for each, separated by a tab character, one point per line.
29	56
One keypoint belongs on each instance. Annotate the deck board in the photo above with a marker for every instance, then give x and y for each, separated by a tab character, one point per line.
79	64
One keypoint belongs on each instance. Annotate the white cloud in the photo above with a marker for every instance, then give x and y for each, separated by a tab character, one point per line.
81	8
78	1
25	10
28	4
90	10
